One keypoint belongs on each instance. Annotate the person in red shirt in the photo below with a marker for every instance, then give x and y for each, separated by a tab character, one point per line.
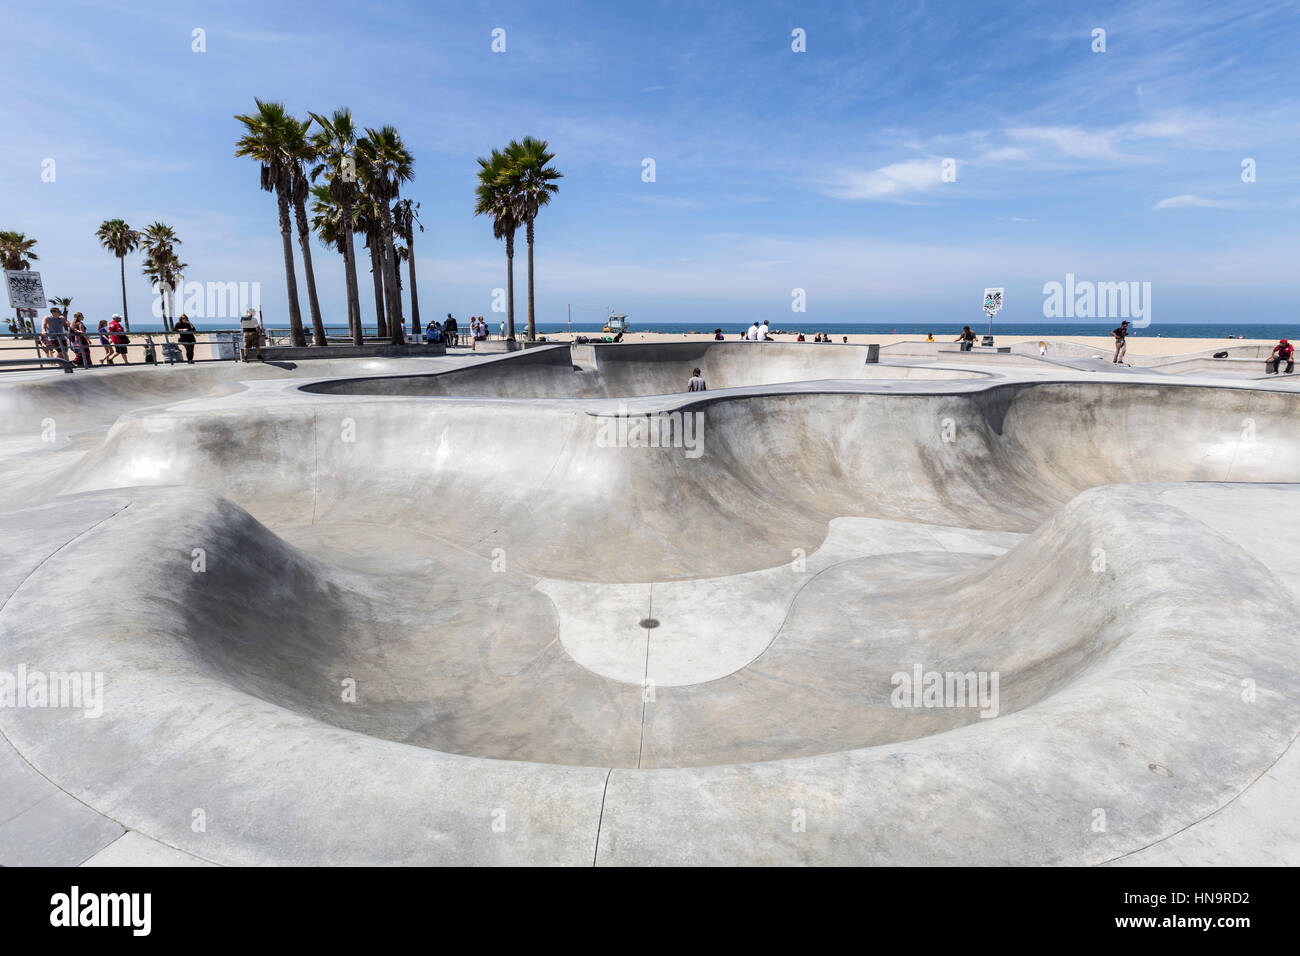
118	335
1284	351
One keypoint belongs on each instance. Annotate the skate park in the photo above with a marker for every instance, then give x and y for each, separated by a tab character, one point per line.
452	610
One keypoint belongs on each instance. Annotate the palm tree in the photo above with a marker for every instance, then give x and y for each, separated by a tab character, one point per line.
267	131
120	239
531	182
406	216
335	145
16	250
384	164
160	243
164	270
301	154
493	198
367	217
16	253
64	304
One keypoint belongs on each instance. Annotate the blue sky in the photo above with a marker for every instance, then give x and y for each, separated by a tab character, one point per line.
775	170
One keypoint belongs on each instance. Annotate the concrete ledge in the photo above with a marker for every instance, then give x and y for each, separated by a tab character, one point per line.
499	345
291	353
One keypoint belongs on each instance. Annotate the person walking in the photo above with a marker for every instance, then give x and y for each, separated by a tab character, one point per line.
1121	342
1284	351
80	341
185	335
119	338
106	342
55	328
696	382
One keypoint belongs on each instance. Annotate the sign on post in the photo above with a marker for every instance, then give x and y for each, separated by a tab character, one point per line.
25	289
992	305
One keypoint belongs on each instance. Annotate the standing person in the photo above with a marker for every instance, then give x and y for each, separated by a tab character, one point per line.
105	341
967	338
1121	342
696	382
55	328
252	335
80	341
502	325
119	338
1284	351
449	329
185	336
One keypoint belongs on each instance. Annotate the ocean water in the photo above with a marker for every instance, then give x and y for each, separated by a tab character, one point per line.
940	330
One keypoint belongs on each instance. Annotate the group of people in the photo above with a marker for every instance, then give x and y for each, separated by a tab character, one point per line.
449	330
71	340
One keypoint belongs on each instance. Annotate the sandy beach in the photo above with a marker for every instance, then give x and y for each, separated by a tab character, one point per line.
1137	344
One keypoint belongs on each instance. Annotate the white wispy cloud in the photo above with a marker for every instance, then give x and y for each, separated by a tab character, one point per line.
1188	201
888	182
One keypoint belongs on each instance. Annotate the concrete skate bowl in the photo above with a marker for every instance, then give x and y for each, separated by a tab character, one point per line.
649	644
639	369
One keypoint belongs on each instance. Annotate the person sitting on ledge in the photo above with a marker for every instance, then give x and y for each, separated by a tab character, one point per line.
929	336
1284	351
717	335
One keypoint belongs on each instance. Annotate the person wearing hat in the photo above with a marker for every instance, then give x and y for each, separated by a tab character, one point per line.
252	335
117	334
1284	351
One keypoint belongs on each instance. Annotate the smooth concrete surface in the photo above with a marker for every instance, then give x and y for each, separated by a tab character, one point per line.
410	611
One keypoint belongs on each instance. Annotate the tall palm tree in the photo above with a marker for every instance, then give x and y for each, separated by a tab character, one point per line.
335	144
493	198
406	217
120	239
384	164
164	270
266	133
368	219
160	242
302	155
530	179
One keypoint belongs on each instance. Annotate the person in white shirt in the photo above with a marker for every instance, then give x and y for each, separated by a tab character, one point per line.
764	334
696	382
752	334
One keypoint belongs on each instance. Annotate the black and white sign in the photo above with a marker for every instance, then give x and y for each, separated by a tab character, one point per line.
25	289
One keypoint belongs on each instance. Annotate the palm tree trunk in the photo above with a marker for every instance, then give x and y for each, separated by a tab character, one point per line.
376	272
290	277
395	321
126	316
415	299
304	240
510	285
532	321
350	265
